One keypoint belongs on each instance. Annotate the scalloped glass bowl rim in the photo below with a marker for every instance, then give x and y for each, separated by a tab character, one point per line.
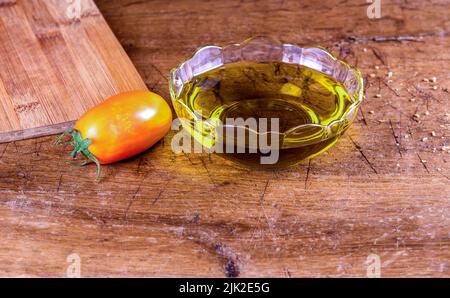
176	80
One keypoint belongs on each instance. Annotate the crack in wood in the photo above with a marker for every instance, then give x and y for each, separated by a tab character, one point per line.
307	173
359	148
207	172
363	119
396	138
131	202
390	38
390	88
423	163
231	269
37	148
4	150
381	56
188	158
228	259
426	96
59	183
157	197
134	3
287	273
158	71
261	199
445	176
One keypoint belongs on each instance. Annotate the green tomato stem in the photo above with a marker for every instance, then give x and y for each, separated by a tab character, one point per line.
80	145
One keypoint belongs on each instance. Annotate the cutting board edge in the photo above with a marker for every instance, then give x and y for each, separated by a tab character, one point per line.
36	132
115	84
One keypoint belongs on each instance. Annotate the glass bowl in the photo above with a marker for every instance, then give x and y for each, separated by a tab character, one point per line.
307	97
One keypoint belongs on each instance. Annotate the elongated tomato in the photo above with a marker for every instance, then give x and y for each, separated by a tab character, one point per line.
121	127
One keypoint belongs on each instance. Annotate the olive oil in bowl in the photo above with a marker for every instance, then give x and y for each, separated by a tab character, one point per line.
312	109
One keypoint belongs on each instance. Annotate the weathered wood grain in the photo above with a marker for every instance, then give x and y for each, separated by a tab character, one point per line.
162	214
56	62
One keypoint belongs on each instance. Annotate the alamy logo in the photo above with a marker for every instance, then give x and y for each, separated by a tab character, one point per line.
233	136
74	268
73	10
374	9
373	263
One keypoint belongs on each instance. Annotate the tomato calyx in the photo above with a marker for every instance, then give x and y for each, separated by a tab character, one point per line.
80	145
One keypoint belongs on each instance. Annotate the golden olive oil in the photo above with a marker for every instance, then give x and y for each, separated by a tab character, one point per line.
305	101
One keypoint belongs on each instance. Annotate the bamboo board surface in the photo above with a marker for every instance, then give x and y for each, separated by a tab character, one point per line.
58	58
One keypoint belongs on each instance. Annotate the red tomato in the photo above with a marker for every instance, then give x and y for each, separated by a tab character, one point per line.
121	127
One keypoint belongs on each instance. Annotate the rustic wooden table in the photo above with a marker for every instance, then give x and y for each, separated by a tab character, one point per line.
383	189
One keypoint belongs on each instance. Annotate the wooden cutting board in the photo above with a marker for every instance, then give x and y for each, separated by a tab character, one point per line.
58	58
